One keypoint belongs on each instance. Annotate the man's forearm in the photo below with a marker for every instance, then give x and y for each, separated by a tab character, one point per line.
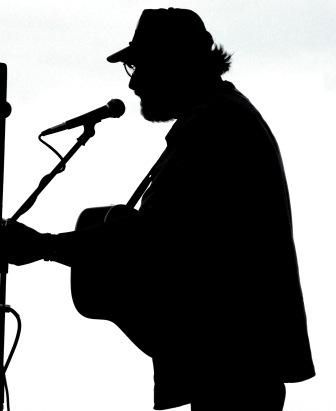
76	247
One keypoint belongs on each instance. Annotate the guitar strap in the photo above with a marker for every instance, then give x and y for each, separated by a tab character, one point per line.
155	169
146	181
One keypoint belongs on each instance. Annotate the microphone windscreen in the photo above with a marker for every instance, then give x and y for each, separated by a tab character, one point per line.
116	108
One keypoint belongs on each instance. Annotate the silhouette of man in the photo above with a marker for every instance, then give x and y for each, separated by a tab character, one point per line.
204	276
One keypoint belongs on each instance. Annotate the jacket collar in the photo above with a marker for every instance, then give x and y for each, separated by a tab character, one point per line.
223	87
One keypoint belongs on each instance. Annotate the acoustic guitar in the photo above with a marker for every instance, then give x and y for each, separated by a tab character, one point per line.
100	293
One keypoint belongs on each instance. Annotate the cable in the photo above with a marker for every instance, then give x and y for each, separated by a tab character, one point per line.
7	394
9	309
53	150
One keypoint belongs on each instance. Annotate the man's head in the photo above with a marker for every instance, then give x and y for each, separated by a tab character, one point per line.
172	59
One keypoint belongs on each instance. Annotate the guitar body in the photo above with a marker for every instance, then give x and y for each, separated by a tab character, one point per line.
107	293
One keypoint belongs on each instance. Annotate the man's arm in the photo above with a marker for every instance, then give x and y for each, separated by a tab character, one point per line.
24	245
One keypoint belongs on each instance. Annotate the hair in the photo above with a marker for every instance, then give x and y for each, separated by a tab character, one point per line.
208	58
202	58
219	61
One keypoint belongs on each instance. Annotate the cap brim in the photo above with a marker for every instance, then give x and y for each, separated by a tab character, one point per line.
121	55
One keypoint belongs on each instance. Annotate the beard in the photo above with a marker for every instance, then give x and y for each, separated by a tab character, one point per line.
157	109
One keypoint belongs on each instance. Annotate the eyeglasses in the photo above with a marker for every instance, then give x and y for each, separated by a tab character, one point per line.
129	68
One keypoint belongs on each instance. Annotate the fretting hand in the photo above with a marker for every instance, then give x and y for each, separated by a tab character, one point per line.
21	244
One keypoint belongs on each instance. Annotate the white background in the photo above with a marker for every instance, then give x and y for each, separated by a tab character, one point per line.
284	61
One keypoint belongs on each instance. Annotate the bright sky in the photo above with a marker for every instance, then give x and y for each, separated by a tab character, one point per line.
284	61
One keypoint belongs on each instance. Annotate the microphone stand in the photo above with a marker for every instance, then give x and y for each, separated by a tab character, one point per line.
89	131
5	110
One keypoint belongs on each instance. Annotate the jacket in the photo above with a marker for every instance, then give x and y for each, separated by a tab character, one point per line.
207	268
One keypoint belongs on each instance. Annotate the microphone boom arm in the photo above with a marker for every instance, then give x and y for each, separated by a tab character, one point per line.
89	131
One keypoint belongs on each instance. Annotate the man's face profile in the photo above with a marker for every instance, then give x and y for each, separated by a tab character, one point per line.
158	88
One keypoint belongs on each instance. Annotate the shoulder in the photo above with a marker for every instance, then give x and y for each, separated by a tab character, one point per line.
227	109
226	120
227	133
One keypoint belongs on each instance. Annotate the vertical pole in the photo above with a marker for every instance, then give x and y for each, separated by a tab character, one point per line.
4	112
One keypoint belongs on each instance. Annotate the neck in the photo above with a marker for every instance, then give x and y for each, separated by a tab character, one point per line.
195	96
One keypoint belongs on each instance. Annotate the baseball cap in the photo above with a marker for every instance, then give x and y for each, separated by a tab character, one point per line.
166	32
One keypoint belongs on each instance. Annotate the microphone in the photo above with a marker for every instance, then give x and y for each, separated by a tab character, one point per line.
5	109
114	108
